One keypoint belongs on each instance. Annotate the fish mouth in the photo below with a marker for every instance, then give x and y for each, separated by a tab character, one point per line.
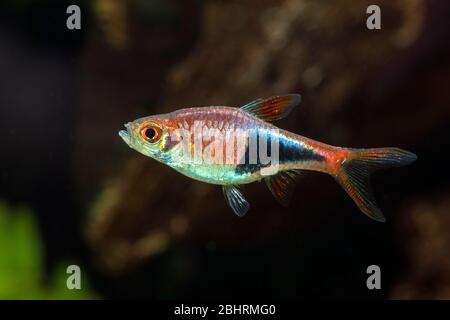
125	135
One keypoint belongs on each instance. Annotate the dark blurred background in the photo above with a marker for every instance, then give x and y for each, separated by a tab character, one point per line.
139	230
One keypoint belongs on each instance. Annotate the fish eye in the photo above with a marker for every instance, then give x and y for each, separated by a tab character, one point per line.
151	133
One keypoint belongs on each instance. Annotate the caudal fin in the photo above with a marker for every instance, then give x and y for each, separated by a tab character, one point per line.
355	172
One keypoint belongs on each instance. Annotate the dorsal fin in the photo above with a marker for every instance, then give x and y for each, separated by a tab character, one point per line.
273	108
282	185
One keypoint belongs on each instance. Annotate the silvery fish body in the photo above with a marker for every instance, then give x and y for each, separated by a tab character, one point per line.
235	146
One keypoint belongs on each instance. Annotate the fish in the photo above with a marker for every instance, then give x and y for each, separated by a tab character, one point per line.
232	147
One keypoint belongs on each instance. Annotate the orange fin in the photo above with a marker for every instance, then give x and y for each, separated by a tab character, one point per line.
273	108
355	172
282	185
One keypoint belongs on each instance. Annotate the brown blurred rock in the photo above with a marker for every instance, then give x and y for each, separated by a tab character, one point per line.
423	226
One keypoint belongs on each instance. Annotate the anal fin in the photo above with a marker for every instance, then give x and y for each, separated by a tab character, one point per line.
282	185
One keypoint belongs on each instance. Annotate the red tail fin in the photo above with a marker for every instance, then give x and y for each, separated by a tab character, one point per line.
355	172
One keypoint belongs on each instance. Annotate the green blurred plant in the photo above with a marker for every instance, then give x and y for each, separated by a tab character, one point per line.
21	265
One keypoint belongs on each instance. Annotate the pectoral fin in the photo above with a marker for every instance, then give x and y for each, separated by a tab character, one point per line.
282	185
236	200
273	108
